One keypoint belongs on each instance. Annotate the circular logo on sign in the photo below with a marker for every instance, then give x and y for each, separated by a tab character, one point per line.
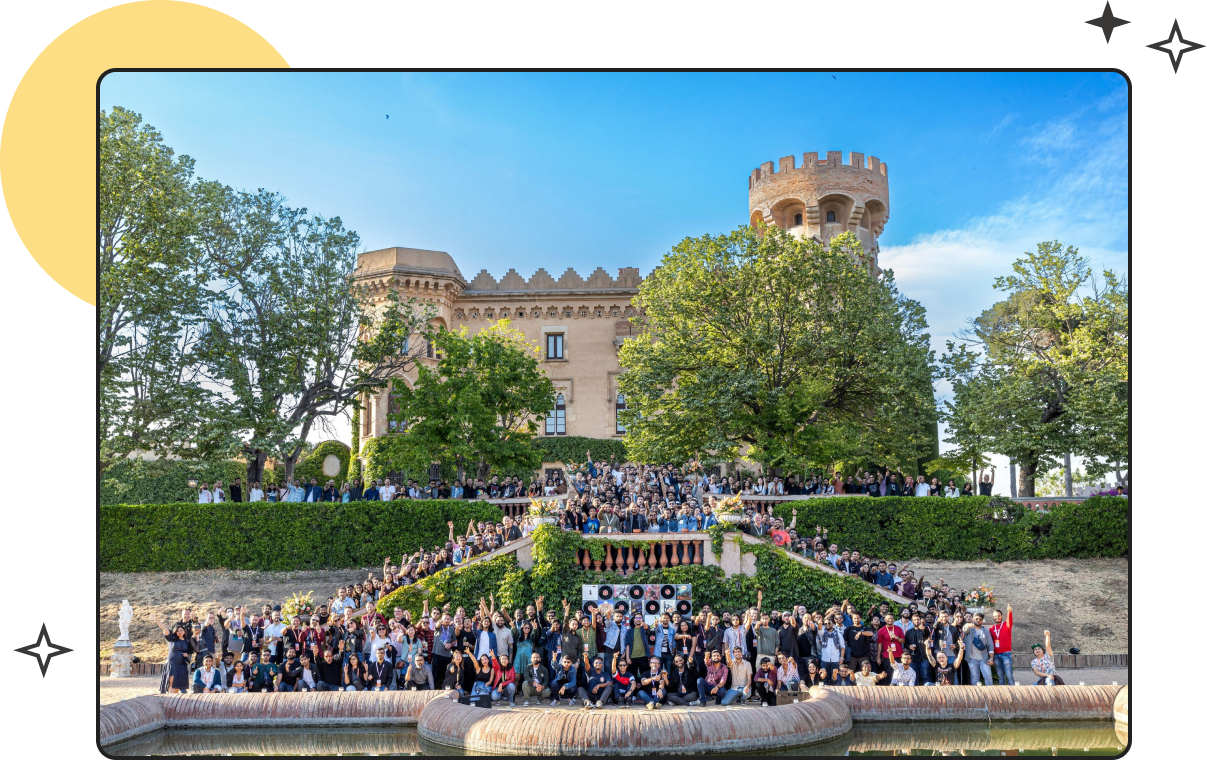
331	465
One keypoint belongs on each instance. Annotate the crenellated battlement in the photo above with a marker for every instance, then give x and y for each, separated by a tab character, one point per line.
812	163
628	279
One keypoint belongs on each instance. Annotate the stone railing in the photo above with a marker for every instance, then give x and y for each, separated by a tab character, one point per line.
979	703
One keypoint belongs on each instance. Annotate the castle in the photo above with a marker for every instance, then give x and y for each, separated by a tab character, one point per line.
580	324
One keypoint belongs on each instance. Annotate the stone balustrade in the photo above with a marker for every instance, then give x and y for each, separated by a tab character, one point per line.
979	703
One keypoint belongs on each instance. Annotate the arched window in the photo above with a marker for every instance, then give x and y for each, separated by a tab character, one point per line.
620	407
396	425
555	421
830	217
798	220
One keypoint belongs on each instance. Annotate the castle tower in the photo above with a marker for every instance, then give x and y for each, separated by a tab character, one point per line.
823	198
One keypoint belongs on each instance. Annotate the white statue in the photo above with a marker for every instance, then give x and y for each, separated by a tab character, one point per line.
123	620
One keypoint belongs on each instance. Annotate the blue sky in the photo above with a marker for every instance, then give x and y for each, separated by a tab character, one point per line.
612	169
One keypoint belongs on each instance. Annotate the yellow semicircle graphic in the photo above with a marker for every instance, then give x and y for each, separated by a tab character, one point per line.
48	146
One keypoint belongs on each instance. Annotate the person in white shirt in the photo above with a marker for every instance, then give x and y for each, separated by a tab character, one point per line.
255	494
922	489
219	494
204	496
387	491
951	491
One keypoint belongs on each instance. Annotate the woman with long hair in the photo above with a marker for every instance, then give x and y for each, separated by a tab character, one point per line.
238	679
454	673
355	673
180	646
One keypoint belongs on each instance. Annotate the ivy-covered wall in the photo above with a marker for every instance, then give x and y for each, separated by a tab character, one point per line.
312	465
569	448
134	481
275	536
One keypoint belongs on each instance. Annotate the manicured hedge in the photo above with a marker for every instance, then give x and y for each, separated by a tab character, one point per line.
555	575
164	481
960	529
567	448
275	536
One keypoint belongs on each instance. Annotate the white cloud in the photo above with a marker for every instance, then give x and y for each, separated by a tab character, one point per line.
1080	200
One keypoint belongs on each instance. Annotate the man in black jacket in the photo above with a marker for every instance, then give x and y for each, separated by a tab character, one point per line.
859	642
291	669
381	673
634	521
330	673
681	683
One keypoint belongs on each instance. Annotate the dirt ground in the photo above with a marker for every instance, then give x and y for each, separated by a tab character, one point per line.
1083	602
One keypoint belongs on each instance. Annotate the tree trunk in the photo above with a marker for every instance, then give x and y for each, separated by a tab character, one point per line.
1013	480
291	462
1069	475
255	466
1027	479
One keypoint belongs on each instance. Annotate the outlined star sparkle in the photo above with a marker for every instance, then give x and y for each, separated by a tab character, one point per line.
1107	22
1183	46
43	651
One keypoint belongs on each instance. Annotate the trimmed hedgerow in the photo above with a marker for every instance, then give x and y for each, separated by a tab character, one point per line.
275	535
965	529
311	466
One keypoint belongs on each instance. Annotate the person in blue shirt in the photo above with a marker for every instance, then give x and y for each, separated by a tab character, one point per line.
371	493
709	519
565	683
884	578
591	524
599	685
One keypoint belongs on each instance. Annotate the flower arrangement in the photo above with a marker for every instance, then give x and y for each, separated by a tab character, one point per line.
730	505
981	596
298	605
693	465
543	508
574	468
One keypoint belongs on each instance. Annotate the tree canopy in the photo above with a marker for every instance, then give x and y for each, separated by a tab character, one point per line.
1052	373
474	410
785	351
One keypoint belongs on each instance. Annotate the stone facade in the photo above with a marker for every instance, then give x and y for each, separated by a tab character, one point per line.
819	199
591	315
824	197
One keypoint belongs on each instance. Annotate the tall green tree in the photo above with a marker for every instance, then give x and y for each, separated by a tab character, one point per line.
150	293
475	409
785	351
289	340
1055	363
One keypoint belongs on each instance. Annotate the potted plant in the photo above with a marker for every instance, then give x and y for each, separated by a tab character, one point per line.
980	599
730	509
543	511
302	606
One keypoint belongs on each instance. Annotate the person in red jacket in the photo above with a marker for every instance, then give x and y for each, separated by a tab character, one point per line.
890	637
1003	661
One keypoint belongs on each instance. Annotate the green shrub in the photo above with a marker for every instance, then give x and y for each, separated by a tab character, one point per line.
935	527
312	465
275	535
568	448
164	481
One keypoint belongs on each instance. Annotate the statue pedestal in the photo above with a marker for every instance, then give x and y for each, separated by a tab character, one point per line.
122	660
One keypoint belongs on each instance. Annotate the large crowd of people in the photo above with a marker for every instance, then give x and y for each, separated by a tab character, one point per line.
612	482
596	656
599	656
